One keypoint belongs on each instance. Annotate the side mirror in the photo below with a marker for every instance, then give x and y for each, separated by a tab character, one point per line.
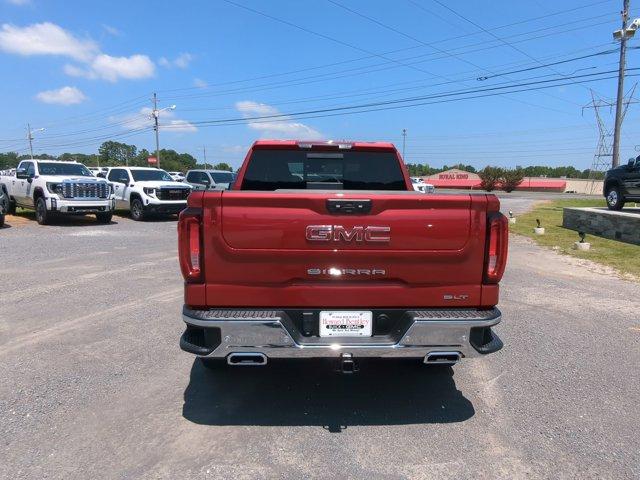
30	179
631	163
21	173
101	175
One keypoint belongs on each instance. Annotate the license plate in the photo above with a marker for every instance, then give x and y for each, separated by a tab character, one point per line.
347	323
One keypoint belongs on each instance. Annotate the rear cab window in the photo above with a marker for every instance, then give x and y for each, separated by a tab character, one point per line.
270	170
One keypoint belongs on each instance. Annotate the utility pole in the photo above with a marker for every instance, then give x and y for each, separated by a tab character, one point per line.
615	160
204	152
30	138
156	114
404	141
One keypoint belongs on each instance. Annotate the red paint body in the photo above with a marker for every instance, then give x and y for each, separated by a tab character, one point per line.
252	250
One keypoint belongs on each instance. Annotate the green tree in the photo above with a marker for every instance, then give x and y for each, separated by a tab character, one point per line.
8	160
490	177
511	179
171	160
223	166
90	160
116	153
420	169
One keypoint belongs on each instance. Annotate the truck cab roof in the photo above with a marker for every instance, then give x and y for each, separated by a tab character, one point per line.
324	144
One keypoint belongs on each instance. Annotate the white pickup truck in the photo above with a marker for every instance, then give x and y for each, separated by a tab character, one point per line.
145	191
52	188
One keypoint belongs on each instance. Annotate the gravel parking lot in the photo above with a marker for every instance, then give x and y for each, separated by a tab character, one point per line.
95	386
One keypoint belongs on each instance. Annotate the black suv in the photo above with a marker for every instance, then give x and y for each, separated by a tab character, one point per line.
622	184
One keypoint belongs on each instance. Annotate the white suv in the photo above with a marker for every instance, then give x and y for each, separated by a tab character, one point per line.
144	191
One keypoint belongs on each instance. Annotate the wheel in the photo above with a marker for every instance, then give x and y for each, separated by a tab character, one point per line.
213	363
137	209
11	210
615	201
1	220
104	217
43	216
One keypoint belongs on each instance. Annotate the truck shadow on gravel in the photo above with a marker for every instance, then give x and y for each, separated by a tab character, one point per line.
311	393
27	217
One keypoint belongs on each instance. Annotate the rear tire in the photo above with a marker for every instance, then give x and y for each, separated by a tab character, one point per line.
615	200
43	216
137	210
11	210
1	220
104	217
213	363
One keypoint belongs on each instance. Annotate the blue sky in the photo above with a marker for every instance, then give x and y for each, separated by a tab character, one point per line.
85	71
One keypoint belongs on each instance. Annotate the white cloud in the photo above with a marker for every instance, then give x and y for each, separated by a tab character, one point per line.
50	39
278	127
198	82
45	39
111	30
179	126
181	61
132	68
113	69
75	71
62	96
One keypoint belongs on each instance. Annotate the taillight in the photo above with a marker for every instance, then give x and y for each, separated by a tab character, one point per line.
190	244
497	247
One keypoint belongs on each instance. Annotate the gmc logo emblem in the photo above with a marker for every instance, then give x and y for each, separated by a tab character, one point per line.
338	233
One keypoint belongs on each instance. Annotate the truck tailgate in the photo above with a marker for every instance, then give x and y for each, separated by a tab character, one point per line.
279	220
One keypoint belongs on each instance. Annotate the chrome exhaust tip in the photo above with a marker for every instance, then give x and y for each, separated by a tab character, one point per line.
247	359
442	358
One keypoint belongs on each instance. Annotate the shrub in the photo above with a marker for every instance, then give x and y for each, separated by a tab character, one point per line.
490	177
511	179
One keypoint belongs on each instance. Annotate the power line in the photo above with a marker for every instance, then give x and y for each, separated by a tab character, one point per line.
528	86
605	52
488	32
368	69
445	40
322	35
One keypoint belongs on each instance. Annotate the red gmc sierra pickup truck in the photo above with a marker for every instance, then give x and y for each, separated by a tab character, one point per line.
324	250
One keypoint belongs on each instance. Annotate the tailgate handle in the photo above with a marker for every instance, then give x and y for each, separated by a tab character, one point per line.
349	206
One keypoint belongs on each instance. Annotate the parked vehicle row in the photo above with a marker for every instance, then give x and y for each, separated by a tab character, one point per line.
53	188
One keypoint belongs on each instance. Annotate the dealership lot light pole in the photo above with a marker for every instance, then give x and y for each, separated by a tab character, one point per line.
155	114
30	137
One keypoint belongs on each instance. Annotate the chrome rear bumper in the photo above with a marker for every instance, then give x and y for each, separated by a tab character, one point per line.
218	333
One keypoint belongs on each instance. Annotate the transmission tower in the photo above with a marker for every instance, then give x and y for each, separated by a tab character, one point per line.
604	150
